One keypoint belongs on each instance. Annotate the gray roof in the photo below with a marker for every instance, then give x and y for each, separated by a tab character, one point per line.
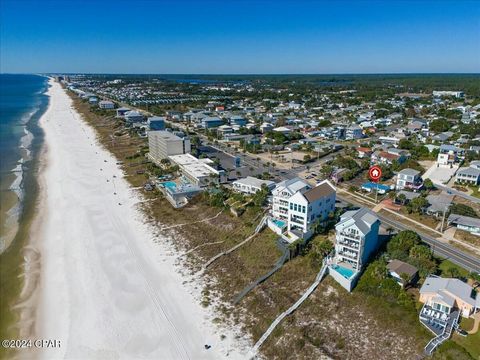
453	286
469	171
410	172
463	220
363	218
409	195
293	185
439	203
401	267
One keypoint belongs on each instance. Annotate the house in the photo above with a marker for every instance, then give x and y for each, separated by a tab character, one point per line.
402	272
447	294
406	195
297	207
211	122
439	204
283	130
307	208
266	127
156	123
105	104
364	152
371	186
238	120
353	132
337	175
250	185
93	100
162	144
122	111
448	155
387	158
442	137
199	172
409	179
133	116
356	240
469	174
466	223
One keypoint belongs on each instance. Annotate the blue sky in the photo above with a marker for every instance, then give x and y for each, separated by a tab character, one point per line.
149	36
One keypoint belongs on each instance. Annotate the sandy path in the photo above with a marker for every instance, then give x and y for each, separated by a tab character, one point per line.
107	290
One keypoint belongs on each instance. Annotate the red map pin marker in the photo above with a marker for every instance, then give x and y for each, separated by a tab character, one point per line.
375	173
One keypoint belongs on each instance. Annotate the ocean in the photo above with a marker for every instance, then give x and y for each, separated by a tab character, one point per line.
22	103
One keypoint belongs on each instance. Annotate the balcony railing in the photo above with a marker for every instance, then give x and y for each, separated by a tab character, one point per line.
351	244
350	255
351	236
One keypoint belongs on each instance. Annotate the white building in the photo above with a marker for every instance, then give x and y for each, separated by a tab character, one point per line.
409	179
457	94
282	193
308	207
199	172
470	174
133	116
105	104
250	185
355	241
162	144
297	206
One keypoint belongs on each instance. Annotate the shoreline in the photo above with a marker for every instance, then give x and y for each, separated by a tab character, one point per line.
53	306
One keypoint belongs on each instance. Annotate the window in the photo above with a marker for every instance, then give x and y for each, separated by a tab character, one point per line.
295	207
304	209
291	206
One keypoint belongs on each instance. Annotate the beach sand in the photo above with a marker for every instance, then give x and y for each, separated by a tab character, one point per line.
105	289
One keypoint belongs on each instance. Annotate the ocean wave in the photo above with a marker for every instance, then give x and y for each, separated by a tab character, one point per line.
25	143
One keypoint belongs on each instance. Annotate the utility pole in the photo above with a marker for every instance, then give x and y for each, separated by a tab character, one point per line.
443	219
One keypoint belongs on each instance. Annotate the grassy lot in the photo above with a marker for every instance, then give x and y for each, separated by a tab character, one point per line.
467	237
444	265
331	322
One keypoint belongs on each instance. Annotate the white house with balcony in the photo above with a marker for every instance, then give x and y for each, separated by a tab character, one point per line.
409	179
297	206
355	242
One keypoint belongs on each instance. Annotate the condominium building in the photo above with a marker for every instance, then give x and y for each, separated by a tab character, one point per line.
162	144
355	242
199	172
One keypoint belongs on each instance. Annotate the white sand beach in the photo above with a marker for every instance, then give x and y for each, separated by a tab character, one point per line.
107	290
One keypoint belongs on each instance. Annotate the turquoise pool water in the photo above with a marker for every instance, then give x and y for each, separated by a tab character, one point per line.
346	273
280	223
170	185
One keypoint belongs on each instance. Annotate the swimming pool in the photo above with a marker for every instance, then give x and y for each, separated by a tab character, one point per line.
281	224
169	184
346	273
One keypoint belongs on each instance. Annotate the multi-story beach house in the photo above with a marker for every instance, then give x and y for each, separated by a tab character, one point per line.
133	116
297	207
353	132
356	240
449	155
156	123
105	104
282	193
162	144
307	208
409	179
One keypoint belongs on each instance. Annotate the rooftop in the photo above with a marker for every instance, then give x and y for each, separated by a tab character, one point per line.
321	190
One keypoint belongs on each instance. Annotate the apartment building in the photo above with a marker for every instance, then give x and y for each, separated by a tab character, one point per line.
198	172
356	241
162	144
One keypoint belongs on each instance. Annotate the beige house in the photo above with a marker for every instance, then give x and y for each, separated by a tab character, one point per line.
446	294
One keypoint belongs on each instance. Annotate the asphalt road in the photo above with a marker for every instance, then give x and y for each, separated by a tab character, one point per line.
458	193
